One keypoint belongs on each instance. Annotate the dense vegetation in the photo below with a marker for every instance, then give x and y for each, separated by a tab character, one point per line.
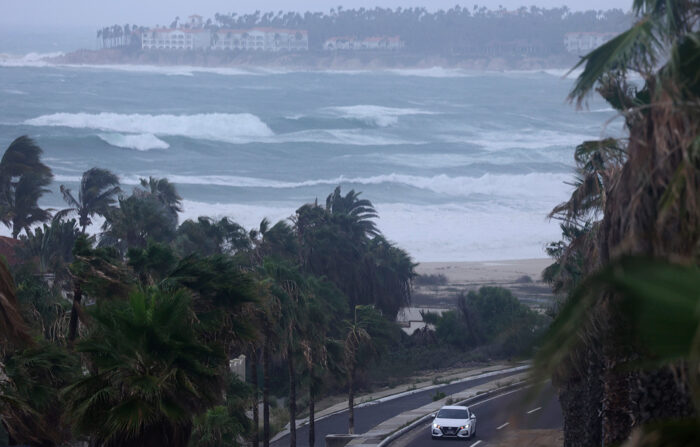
124	337
624	348
490	317
474	32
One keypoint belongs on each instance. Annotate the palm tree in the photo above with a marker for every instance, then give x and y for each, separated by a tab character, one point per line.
23	180
356	337
13	329
138	218
650	209
359	212
152	374
166	193
96	196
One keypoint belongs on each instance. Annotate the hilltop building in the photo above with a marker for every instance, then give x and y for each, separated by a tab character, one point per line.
196	38
261	39
175	39
391	43
196	21
581	43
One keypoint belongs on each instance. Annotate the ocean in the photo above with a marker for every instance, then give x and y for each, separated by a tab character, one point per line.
461	166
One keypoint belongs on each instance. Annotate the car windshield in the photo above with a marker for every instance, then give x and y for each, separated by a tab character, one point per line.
452	413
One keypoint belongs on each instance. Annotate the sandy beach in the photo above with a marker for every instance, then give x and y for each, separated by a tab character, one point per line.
523	277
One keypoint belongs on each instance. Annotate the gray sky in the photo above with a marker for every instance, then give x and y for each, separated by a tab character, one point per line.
94	13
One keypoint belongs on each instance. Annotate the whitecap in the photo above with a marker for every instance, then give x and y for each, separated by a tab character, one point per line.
539	186
139	142
379	116
233	128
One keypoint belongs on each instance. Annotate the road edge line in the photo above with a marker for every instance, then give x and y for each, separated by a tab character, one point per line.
413	425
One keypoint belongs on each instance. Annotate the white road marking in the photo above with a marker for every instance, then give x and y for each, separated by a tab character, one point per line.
536	409
498	428
475	444
499	396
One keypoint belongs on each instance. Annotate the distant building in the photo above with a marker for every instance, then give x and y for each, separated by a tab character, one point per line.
256	39
391	43
581	43
195	21
175	39
261	39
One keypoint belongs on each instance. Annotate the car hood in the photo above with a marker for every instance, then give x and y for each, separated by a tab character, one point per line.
450	422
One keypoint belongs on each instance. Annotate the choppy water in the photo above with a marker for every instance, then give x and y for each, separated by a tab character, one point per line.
461	166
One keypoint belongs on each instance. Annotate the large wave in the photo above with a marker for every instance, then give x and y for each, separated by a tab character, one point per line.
234	128
139	142
538	186
374	115
237	128
27	60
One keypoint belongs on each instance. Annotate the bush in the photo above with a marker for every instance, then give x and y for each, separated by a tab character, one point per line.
430	280
439	395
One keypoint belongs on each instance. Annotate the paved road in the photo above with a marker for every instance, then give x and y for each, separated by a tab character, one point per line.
369	416
496	415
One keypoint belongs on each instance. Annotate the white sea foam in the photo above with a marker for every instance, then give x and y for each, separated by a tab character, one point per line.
377	115
12	91
351	137
537	186
230	128
139	142
27	60
517	139
234	128
433	72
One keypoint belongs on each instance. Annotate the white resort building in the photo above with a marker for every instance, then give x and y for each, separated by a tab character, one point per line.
256	39
391	43
581	43
260	39
175	39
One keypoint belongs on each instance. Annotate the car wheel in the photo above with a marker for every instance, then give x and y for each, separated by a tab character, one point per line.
434	437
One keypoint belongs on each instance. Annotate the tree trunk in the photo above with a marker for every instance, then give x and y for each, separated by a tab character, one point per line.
292	398
73	324
351	400
312	417
256	411
266	393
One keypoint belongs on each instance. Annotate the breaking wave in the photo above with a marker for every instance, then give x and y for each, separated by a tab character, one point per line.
139	142
376	115
233	128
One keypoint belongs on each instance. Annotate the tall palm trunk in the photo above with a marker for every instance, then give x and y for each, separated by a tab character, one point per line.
266	392
292	398
256	411
73	324
312	414
351	400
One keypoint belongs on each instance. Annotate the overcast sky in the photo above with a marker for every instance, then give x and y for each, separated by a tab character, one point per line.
94	13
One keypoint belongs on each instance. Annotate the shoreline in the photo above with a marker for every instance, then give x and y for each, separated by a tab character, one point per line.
311	61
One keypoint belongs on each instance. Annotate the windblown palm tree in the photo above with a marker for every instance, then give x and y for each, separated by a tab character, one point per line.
165	192
360	212
152	374
96	196
23	180
650	209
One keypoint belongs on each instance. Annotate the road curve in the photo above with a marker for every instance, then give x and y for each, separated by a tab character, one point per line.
496	415
368	416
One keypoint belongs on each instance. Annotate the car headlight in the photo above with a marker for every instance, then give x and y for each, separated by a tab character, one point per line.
436	426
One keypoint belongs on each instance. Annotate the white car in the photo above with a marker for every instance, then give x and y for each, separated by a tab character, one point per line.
453	422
